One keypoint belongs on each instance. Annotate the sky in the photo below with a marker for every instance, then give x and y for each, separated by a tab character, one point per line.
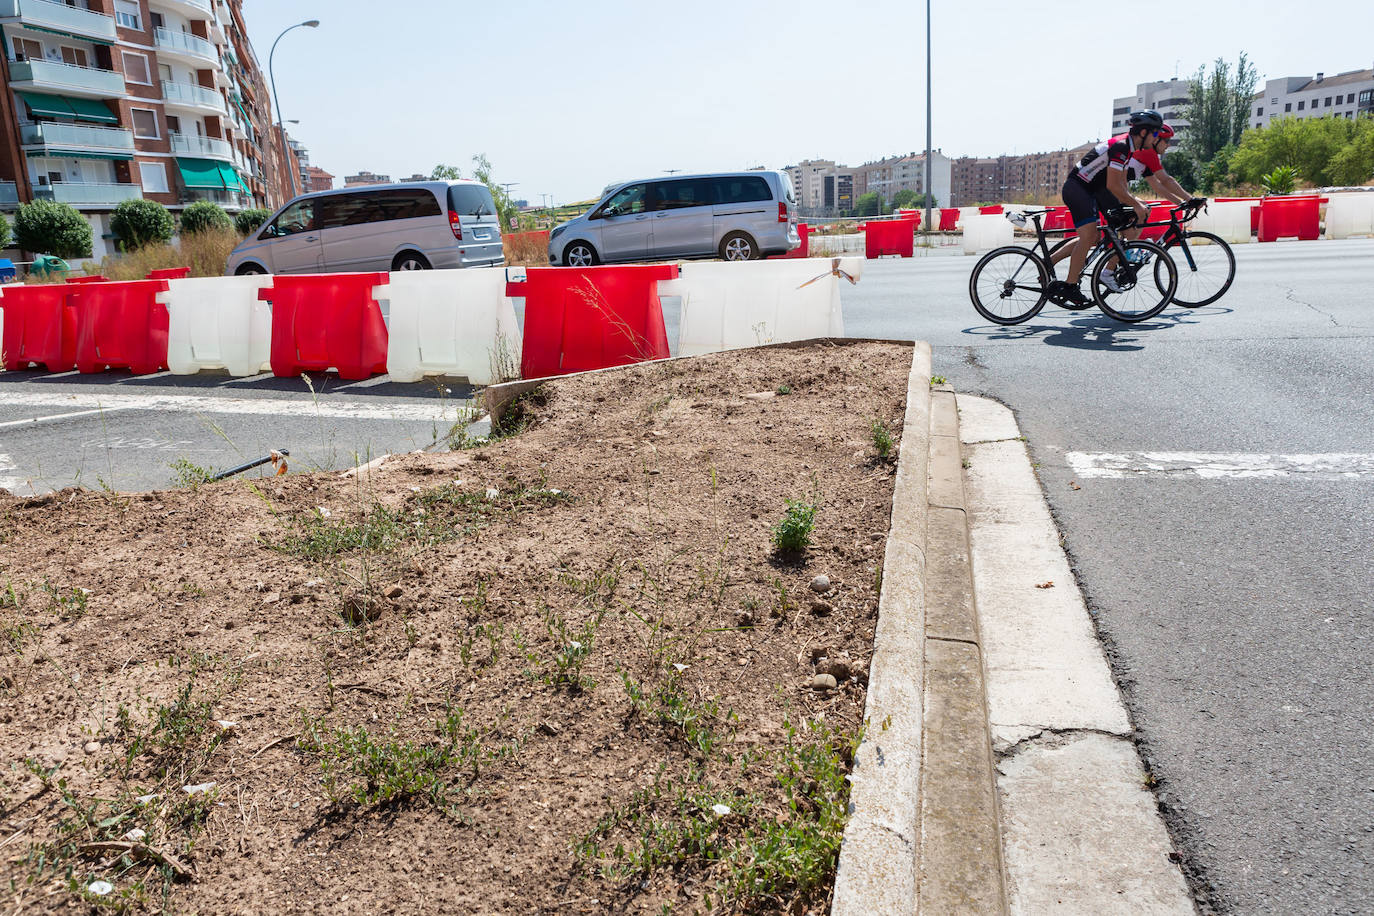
565	98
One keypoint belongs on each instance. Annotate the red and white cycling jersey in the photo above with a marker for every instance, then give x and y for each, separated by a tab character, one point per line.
1116	153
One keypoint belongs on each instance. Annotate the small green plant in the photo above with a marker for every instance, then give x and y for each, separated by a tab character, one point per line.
189	475
1282	180
784	389
670	704
882	439
792	535
938	380
69	604
565	670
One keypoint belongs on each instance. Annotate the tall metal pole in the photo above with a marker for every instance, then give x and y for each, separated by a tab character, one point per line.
281	131
929	190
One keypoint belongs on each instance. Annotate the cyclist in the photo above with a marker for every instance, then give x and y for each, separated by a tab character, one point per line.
1100	183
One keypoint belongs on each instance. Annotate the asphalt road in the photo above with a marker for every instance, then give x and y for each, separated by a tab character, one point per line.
1212	472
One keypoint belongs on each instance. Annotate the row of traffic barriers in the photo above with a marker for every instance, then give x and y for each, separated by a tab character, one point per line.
413	324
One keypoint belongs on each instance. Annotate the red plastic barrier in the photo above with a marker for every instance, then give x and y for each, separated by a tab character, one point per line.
1058	219
804	249
321	321
96	279
949	219
170	273
893	236
581	318
40	327
1159	213
120	325
1282	217
993	210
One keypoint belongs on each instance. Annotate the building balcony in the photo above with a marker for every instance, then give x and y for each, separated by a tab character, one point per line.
89	196
76	138
49	15
9	195
185	46
66	79
189	95
192	9
230	200
202	147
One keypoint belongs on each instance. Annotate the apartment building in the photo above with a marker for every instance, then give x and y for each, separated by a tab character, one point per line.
104	101
364	178
1345	95
808	182
1168	97
905	173
1011	179
319	180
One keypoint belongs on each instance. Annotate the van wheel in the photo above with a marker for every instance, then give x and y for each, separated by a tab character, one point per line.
738	247
580	254
410	260
250	270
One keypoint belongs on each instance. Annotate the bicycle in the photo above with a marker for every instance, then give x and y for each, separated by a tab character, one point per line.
1002	294
1208	266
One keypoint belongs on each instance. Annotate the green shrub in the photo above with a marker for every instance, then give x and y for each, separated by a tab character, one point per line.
249	220
792	535
48	227
204	215
4	232
141	222
1282	180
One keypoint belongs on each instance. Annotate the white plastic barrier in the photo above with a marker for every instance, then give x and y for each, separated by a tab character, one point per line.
1349	215
450	322
218	323
965	213
986	231
1228	219
730	305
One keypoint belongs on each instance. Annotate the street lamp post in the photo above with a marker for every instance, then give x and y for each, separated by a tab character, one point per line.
929	190
281	130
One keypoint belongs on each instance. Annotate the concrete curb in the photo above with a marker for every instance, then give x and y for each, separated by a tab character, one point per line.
878	857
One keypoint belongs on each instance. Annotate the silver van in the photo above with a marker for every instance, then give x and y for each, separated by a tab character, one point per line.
413	226
737	216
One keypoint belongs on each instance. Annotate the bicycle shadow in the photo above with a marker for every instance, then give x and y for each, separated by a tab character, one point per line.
1092	330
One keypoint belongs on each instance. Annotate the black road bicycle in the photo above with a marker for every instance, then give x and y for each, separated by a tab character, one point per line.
1131	280
1206	265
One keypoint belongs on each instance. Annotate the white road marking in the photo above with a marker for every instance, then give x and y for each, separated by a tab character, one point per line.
1219	465
32	421
327	408
7	464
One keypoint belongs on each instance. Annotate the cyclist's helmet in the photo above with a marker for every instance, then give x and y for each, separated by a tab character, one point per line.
1145	118
1165	132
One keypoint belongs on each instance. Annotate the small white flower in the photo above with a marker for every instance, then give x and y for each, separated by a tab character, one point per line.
572	643
721	810
680	667
100	888
200	789
492	492
145	799
415	490
137	835
324	513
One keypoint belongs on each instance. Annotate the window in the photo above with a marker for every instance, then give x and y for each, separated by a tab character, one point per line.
145	124
299	217
742	189
1287	106
1259	112
159	21
677	195
173	124
376	207
1328	102
136	69
1301	104
1365	96
154	176
470	200
626	200
127	15
76	57
24	49
164	73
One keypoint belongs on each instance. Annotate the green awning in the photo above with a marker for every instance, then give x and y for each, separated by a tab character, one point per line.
77	154
91	110
229	176
47	106
95	41
200	173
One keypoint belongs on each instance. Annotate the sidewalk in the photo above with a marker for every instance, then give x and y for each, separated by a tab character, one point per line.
998	772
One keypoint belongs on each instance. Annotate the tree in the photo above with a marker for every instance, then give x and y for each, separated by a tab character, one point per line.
248	221
908	200
140	222
4	232
1354	164
204	215
445	173
48	227
867	204
505	207
1324	151
1219	106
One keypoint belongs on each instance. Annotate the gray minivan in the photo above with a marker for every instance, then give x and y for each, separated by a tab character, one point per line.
412	226
737	216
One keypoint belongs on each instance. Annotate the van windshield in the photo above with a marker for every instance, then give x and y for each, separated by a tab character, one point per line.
470	200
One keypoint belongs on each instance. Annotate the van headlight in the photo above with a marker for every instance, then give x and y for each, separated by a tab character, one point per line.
557	231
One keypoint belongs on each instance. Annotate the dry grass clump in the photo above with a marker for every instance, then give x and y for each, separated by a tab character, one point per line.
205	253
527	249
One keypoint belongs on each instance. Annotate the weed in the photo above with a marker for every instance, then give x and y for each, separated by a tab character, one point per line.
882	439
965	463
792	535
66	604
190	476
938	380
670	705
784	389
566	671
519	414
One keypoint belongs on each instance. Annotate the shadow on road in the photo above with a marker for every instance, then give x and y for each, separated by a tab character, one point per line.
323	383
1095	331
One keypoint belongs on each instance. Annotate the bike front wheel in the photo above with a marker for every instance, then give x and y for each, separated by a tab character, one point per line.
1008	285
1206	267
1136	297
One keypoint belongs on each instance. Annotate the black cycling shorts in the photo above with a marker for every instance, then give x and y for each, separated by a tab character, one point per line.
1084	202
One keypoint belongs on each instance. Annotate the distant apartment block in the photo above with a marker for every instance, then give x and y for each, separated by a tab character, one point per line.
825	188
320	180
905	173
417	177
362	179
105	101
1345	95
1168	97
1012	179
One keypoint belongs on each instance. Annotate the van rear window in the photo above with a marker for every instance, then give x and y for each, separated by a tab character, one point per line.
376	207
743	189
470	200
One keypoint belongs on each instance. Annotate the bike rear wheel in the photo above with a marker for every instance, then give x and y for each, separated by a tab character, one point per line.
1139	298
1206	268
1008	285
